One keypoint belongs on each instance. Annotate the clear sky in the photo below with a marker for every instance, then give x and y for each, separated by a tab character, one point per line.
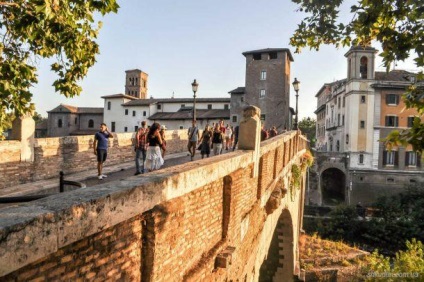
178	41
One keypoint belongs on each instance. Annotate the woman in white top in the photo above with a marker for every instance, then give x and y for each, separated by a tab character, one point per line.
228	135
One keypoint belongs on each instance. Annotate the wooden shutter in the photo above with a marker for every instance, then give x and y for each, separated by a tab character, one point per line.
384	157
396	160
406	158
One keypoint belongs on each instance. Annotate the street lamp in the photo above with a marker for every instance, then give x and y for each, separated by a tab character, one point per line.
296	84
194	86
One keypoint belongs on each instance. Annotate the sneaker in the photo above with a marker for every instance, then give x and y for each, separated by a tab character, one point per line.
100	177
104	175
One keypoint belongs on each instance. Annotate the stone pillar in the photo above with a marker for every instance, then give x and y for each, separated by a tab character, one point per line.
250	134
23	129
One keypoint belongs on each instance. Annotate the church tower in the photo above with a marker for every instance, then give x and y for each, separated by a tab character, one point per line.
136	83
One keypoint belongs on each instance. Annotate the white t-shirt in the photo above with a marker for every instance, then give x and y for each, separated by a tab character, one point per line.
228	132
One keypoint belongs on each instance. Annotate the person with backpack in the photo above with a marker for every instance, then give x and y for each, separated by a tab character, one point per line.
141	147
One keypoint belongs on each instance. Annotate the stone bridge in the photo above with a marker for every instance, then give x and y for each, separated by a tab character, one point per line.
208	220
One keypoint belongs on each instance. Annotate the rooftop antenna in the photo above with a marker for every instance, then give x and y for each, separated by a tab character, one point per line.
173	93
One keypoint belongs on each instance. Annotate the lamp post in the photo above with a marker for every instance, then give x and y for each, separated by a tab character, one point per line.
194	86
296	84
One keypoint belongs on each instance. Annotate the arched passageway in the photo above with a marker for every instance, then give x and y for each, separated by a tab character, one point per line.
333	183
279	263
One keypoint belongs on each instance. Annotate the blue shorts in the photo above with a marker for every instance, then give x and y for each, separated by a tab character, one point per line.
101	155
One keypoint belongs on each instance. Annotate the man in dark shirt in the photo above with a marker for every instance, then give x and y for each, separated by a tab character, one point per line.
100	146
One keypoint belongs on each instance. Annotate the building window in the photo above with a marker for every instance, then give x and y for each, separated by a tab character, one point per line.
273	55
59	123
392	99
344	101
209	106
144	113
338	104
159	106
113	126
410	121
226	106
343	120
411	158
125	129
390	180
347	138
257	57
362	123
242	99
90	123
262	93
76	120
412	181
136	128
234	118
337	145
133	113
392	121
263	116
363	69
109	105
362	99
361	158
126	112
389	158
182	105
263	75
181	127
338	119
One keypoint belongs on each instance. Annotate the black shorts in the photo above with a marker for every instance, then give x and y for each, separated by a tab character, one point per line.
101	155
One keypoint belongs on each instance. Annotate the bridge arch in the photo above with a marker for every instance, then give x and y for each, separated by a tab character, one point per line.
333	186
279	263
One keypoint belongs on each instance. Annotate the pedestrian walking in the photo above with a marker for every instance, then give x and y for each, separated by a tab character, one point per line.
141	147
236	136
205	145
154	158
100	146
228	134
162	135
217	140
193	137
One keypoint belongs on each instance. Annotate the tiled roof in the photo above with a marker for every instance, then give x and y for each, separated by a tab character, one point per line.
200	114
238	90
120	95
394	75
62	108
268	50
146	102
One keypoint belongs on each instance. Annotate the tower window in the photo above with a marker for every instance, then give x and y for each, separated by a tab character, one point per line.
257	57
209	106
273	55
144	113
263	75
133	113
363	99
262	93
113	126
159	106
234	118
361	158
125	129
263	116
76	120
362	123
59	123
126	112
90	123
363	69
108	105
242	99
226	107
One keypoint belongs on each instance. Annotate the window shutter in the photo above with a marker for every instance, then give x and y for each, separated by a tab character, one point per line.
396	158
387	121
419	160
397	99
396	121
384	157
406	158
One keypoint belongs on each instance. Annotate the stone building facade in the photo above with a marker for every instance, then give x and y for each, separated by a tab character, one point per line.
353	116
267	86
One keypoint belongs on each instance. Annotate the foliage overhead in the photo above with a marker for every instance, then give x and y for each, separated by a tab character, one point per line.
64	30
398	25
308	127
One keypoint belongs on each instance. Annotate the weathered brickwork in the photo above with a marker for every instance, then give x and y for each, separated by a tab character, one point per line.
111	255
69	154
201	221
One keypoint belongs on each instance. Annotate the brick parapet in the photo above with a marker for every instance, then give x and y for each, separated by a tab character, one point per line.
69	154
177	212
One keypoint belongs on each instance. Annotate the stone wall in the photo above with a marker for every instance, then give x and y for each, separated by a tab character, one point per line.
69	154
205	220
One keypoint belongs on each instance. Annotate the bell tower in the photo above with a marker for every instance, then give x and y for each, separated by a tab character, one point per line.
136	83
360	62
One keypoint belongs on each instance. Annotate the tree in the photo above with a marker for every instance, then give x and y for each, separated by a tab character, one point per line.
308	127
397	24
31	30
